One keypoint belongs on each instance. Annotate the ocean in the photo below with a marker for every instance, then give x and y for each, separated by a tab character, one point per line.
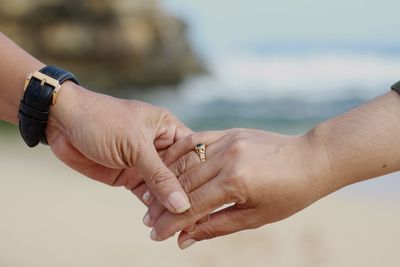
288	92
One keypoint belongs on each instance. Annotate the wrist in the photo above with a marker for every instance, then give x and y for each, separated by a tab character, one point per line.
71	97
318	165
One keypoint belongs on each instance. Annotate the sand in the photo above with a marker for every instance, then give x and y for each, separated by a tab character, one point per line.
52	216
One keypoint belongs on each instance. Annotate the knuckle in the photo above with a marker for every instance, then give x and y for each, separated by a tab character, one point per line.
238	132
237	147
251	225
119	180
165	111
186	183
208	231
163	232
166	115
159	177
156	209
190	213
193	212
182	164
191	140
236	187
133	178
233	182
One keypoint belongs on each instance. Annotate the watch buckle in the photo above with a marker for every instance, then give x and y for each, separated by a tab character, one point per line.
44	79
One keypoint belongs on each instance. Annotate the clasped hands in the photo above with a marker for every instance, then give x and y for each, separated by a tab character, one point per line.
250	177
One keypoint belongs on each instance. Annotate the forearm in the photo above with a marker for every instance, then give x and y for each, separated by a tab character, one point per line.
15	66
360	144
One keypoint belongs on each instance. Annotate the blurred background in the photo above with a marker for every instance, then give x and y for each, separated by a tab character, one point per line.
276	65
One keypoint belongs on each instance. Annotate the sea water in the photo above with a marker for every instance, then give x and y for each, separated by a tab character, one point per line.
284	92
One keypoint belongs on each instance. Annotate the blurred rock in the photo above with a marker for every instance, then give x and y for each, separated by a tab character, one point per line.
107	43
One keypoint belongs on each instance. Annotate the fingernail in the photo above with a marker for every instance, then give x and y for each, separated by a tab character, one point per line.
146	197
179	202
153	235
187	243
146	219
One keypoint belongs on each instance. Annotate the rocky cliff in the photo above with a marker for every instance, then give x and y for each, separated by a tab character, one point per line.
107	43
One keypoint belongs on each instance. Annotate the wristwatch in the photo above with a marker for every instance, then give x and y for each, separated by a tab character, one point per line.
396	87
40	92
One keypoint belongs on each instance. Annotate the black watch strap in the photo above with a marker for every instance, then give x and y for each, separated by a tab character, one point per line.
40	89
396	87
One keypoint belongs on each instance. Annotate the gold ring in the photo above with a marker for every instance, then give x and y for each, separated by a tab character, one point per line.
200	150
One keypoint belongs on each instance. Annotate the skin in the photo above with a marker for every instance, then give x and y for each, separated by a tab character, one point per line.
111	140
267	177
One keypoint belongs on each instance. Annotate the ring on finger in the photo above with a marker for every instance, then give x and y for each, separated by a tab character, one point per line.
200	150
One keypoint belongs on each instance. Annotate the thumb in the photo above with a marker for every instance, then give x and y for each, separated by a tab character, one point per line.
162	182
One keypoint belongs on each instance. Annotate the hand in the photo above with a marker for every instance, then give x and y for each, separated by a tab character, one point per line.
267	177
115	141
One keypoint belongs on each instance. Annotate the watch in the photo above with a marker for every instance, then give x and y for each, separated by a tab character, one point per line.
40	93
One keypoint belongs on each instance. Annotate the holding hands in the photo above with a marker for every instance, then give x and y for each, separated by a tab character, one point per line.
263	177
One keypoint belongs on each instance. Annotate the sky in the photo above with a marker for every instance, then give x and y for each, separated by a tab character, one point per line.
229	24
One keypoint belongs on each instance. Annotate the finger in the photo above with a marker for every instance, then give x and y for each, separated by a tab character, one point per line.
182	131
193	228
191	180
185	145
191	159
143	193
163	143
156	209
162	182
224	222
201	174
131	178
166	137
160	153
204	200
204	219
184	163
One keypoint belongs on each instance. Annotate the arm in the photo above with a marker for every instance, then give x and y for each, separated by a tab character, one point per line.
270	177
362	143
15	66
111	140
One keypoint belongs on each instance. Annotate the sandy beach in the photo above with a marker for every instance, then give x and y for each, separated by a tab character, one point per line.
52	216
